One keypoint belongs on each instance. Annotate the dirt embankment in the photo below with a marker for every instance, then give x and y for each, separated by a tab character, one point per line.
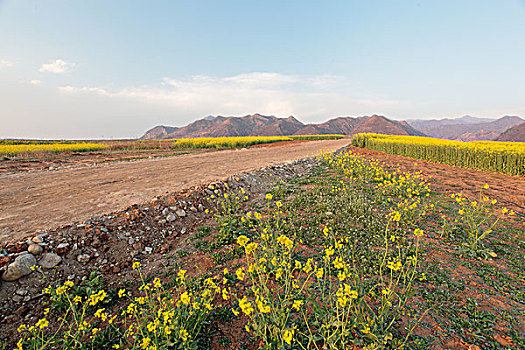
43	199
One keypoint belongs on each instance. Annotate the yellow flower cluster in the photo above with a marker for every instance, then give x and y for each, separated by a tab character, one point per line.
227	142
49	147
480	216
243	141
154	319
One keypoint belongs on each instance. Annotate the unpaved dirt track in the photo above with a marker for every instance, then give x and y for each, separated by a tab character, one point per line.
30	201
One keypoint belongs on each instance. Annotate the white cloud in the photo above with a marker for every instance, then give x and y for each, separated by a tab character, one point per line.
36	82
57	66
316	97
262	79
68	89
6	64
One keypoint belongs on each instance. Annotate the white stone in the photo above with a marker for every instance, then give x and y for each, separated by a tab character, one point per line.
49	260
83	258
19	268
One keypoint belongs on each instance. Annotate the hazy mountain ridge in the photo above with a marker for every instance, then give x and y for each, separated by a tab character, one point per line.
514	134
160	132
466	128
260	125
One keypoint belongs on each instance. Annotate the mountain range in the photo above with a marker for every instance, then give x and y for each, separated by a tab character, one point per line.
515	134
260	125
466	128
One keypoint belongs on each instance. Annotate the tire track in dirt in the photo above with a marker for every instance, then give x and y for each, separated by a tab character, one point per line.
45	199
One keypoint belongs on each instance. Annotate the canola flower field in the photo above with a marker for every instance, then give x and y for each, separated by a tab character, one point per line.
243	141
339	259
11	148
14	148
501	157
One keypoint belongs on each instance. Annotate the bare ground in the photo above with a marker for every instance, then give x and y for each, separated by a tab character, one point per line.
45	199
508	190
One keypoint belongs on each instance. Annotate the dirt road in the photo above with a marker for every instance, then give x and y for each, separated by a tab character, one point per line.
30	201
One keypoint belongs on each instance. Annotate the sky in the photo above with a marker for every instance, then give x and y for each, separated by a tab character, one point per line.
113	69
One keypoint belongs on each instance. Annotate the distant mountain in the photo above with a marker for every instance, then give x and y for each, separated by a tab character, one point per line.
466	128
341	125
160	132
515	134
467	119
260	125
219	126
382	125
421	124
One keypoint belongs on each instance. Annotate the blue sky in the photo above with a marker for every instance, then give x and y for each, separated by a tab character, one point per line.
91	69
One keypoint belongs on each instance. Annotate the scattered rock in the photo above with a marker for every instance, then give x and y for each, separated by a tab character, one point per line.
184	230
171	217
21	292
62	248
193	209
19	268
17	298
35	249
83	258
200	207
38	239
148	250
165	211
181	213
49	260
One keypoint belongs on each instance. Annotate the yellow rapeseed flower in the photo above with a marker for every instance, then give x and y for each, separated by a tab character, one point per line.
288	336
240	273
242	240
185	298
297	304
42	323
